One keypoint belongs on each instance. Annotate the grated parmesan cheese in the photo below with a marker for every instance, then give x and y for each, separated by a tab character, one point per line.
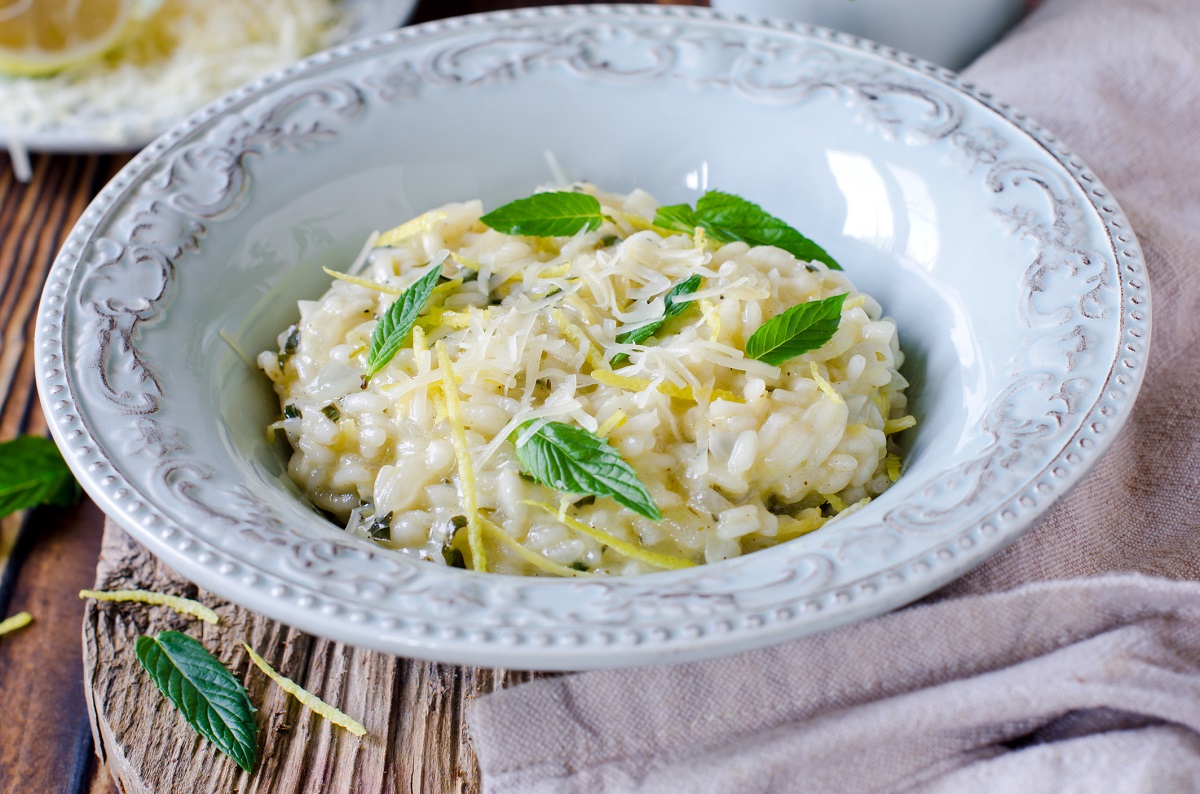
171	64
523	330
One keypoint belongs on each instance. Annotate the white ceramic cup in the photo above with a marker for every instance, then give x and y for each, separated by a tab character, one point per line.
948	32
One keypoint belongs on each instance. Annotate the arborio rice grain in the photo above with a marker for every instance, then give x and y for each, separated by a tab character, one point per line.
738	454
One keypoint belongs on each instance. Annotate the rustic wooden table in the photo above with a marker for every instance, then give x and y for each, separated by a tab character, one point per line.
49	554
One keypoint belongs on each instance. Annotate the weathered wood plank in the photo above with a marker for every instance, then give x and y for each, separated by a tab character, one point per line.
414	711
45	741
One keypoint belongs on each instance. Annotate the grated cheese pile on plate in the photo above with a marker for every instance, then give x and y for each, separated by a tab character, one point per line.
185	54
737	454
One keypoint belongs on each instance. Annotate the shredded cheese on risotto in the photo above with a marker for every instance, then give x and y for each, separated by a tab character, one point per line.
737	454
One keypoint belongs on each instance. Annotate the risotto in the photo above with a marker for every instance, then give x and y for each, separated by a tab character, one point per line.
636	394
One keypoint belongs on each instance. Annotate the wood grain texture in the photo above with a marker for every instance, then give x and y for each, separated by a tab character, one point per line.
414	711
45	554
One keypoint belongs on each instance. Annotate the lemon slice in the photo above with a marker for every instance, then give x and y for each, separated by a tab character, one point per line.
40	37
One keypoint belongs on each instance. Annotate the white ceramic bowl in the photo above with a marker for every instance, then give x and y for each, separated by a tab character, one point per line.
1015	280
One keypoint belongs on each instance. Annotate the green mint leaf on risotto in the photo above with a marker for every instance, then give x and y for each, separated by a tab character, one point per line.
393	327
558	214
678	217
671	307
32	472
211	699
573	460
729	219
802	328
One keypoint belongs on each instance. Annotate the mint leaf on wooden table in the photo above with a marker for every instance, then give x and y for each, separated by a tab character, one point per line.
396	323
32	472
804	327
211	699
573	460
558	214
671	307
728	218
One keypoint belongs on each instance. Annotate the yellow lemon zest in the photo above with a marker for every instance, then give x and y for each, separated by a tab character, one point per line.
823	384
556	272
854	303
308	699
443	318
466	471
835	502
893	466
624	547
17	621
468	263
610	424
808	521
609	378
442	290
418	225
363	282
711	316
578	337
184	606
529	555
896	425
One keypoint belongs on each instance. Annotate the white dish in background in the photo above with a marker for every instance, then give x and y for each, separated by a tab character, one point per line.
1014	278
947	32
99	126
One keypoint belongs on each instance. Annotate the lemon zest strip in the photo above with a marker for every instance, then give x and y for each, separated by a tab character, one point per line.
467	262
530	556
854	303
445	288
249	362
308	699
893	466
449	319
711	316
419	224
823	384
610	378
556	272
17	621
612	423
808	521
896	425
184	606
620	546
466	472
578	337
363	282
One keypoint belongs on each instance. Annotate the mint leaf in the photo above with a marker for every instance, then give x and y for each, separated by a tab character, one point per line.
393	327
678	217
573	460
804	327
32	472
211	699
558	214
728	218
671	307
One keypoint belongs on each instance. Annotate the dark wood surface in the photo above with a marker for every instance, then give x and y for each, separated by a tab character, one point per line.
48	555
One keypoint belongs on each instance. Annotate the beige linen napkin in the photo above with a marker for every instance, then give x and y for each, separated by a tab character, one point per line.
1068	662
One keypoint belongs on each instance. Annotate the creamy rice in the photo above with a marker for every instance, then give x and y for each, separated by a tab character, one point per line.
738	454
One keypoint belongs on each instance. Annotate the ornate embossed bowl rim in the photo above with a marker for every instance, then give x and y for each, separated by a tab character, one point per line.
342	588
